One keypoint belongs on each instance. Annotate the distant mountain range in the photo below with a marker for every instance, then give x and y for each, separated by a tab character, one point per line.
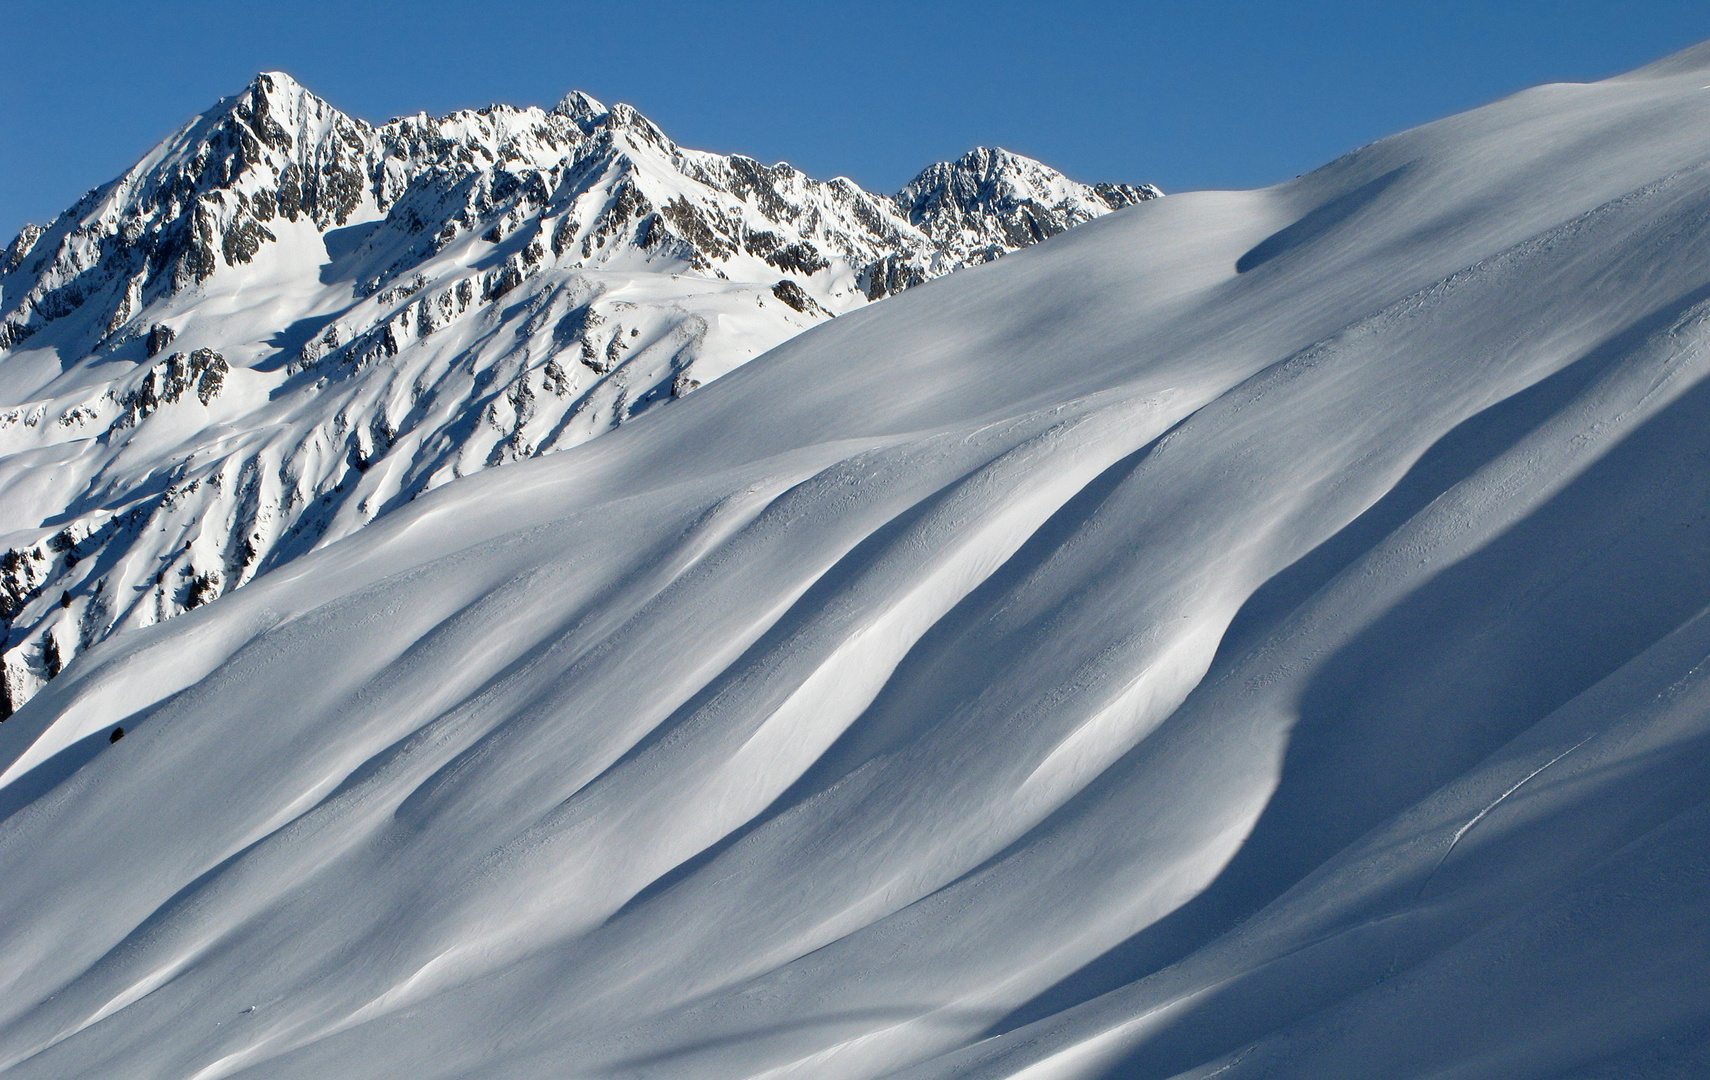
285	321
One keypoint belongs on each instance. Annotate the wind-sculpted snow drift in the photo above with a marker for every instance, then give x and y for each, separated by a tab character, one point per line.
284	322
1250	635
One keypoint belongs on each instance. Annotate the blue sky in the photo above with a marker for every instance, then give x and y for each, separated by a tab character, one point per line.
1220	93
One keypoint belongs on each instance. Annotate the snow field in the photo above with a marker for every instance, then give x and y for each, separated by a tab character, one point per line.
1252	634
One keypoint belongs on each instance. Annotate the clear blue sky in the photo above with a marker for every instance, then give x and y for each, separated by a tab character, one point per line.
1216	93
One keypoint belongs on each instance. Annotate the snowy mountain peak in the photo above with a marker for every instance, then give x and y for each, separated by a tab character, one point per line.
284	322
277	89
990	200
582	108
275	82
277	108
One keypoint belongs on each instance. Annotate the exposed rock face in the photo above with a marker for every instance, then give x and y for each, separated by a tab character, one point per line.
202	372
364	312
20	247
159	337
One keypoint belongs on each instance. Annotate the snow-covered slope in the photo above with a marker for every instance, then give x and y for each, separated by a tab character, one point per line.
1250	635
284	321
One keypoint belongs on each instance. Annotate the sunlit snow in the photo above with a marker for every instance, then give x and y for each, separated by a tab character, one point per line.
1252	634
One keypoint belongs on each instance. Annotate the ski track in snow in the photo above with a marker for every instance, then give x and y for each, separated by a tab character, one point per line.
1252	634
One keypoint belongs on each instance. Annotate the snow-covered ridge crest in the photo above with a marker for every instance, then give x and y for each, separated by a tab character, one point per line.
210	196
284	321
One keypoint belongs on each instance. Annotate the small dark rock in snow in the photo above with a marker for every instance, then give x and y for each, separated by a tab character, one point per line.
159	337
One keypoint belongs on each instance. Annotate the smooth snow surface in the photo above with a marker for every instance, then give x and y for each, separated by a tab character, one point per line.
1249	635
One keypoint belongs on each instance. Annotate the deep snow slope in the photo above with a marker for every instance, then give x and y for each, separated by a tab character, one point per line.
284	322
1250	635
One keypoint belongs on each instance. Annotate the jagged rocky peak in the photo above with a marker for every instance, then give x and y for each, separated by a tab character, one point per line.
276	155
280	110
581	109
991	200
212	195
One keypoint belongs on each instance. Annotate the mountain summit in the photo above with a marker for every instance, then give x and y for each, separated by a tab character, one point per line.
284	322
